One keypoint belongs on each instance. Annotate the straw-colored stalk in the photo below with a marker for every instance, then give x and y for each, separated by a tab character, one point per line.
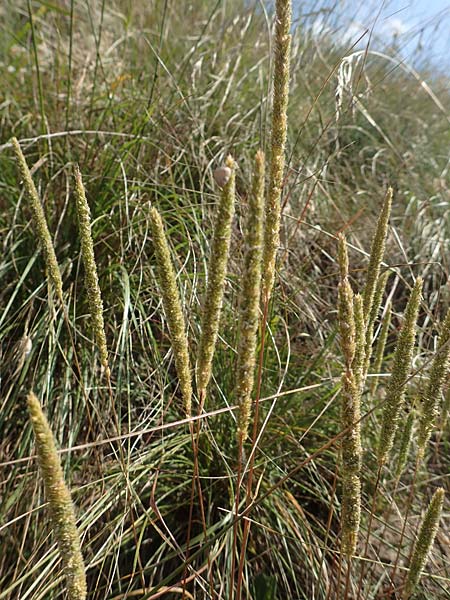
282	47
395	393
172	307
249	307
346	316
376	254
93	291
62	514
432	396
379	348
39	221
424	542
218	262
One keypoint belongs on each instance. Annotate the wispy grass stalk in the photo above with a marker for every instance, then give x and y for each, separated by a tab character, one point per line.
93	291
432	396
405	444
218	262
172	307
249	308
39	221
424	542
401	368
282	47
62	514
376	254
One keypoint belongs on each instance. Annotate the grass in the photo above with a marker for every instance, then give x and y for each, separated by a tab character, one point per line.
149	100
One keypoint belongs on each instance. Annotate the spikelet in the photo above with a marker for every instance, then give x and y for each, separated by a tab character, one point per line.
405	444
282	47
61	507
345	306
424	542
376	254
379	348
351	514
249	308
360	342
172	307
218	262
378	297
40	222
93	291
401	368
432	396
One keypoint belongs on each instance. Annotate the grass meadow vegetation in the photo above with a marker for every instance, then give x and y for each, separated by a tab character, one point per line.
225	324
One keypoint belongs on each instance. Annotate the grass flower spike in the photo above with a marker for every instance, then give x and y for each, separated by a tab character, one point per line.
249	309
282	48
94	295
401	368
172	307
40	222
61	508
425	540
218	263
376	254
439	371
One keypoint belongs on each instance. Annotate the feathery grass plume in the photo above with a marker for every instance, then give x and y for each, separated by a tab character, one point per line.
249	309
360	342
93	291
376	254
424	542
61	507
172	307
380	346
432	396
395	393
220	248
345	306
282	48
40	222
377	299
405	444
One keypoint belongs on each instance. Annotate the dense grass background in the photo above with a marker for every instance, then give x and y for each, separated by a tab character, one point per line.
148	98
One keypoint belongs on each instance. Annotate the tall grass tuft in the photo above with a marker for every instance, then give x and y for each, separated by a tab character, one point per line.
93	291
282	48
172	307
424	542
432	396
401	368
62	514
218	262
249	308
40	222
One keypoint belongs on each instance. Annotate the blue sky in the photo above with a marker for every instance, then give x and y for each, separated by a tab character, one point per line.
419	29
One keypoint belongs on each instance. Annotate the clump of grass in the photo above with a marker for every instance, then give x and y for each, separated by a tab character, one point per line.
40	222
62	514
93	291
424	542
282	47
395	393
249	309
173	308
218	262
